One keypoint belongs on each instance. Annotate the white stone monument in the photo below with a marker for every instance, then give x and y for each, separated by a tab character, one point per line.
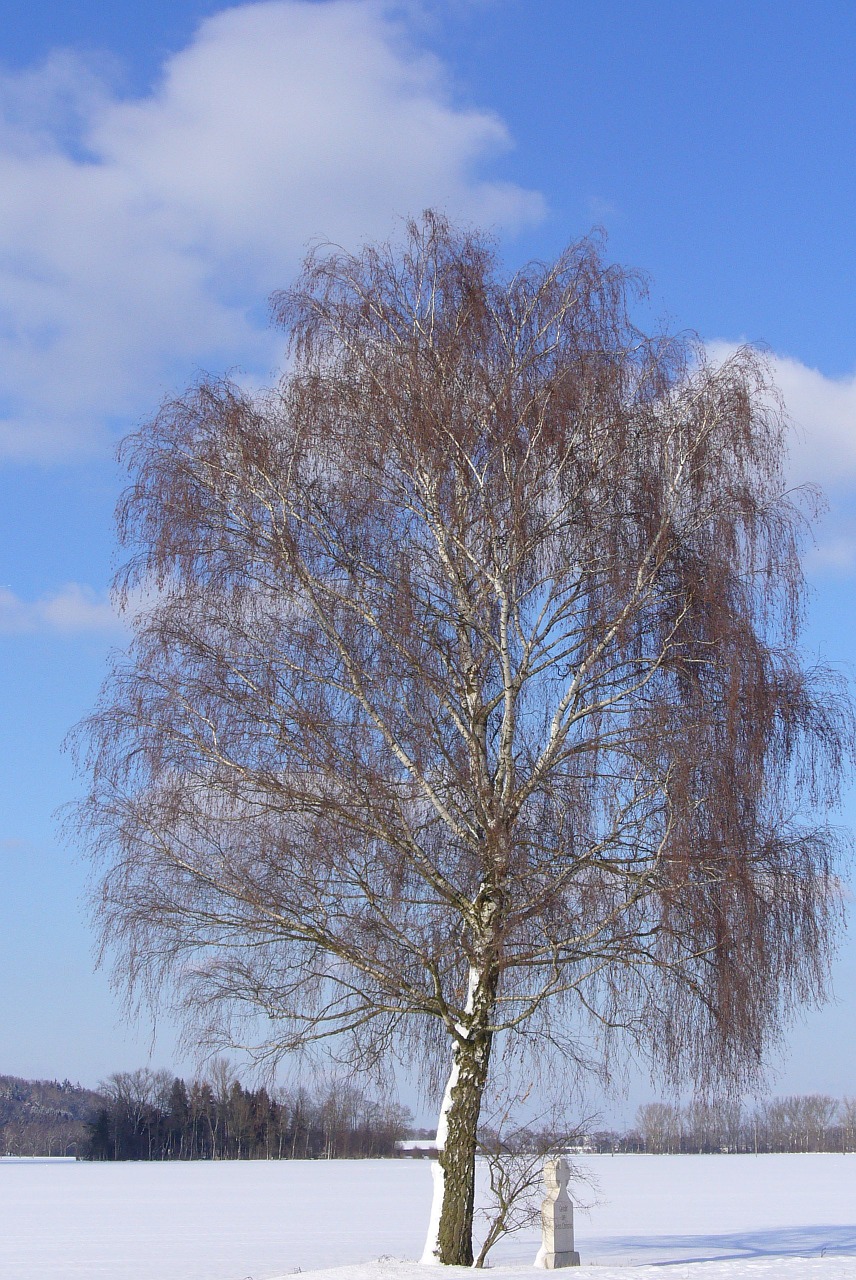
557	1219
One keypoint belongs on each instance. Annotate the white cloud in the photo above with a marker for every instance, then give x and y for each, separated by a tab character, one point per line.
822	411
72	609
139	238
822	451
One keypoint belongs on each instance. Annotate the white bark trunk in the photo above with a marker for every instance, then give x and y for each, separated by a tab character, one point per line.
431	1251
430	1254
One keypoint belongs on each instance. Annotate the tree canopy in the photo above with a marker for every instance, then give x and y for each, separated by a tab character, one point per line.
467	706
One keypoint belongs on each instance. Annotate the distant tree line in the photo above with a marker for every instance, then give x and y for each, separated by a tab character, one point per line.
44	1117
799	1122
153	1115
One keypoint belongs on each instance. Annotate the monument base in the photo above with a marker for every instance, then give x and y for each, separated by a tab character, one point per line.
552	1261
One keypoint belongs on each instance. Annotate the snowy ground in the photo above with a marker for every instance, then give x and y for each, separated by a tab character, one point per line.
669	1217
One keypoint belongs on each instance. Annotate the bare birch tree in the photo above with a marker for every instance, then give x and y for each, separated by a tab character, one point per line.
468	710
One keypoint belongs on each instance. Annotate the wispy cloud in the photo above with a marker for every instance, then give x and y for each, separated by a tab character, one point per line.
139	238
71	610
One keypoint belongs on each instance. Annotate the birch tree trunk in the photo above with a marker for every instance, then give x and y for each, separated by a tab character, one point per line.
450	1232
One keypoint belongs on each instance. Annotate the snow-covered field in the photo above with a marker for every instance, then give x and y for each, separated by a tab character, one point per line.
693	1217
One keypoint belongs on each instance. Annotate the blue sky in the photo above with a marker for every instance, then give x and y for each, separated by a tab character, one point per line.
162	168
